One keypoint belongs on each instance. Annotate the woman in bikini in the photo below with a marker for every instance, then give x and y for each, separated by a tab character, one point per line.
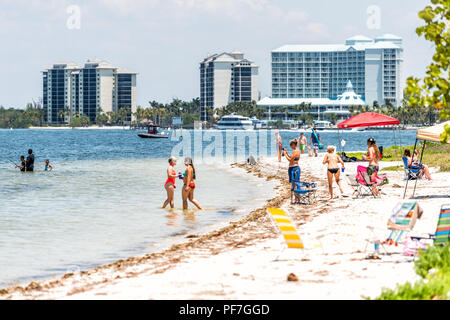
170	182
414	161
333	161
294	169
189	184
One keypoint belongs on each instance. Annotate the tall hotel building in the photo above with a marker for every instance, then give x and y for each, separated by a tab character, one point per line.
226	78
374	67
85	90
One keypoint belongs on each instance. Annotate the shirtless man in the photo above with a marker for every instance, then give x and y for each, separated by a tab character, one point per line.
302	142
332	159
294	169
279	145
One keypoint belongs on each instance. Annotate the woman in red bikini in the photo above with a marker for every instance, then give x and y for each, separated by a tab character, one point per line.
189	185
170	183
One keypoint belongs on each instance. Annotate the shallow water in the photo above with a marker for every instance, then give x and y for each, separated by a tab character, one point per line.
102	201
91	212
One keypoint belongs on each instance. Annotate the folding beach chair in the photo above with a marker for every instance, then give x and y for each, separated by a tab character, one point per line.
302	192
287	229
365	183
442	234
412	172
403	219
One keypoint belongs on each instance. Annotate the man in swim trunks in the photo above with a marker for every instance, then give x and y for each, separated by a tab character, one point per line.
279	145
302	142
294	169
315	140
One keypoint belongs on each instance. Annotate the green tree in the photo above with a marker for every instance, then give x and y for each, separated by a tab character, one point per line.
61	115
75	122
85	122
433	89
112	117
122	115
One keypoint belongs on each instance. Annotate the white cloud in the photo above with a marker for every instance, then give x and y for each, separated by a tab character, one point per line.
315	31
129	6
242	9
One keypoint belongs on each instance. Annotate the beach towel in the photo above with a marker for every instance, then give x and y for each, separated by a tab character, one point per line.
411	247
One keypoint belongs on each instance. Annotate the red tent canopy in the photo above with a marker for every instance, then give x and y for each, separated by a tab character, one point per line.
368	119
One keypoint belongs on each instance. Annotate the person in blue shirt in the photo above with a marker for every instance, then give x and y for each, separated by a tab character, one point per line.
315	141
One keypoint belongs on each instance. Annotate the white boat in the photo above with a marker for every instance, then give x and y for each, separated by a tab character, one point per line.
321	125
234	122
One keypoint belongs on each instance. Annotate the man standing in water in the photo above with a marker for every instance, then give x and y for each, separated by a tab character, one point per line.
315	141
29	163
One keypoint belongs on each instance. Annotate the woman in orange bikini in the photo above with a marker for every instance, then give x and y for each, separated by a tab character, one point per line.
170	182
189	184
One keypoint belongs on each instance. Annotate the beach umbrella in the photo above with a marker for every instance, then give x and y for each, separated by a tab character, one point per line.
368	119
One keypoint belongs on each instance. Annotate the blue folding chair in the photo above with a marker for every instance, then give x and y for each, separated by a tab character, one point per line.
412	172
302	192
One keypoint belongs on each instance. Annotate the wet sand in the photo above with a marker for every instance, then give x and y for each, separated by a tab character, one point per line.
237	261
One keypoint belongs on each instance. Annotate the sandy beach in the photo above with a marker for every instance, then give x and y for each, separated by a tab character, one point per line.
237	261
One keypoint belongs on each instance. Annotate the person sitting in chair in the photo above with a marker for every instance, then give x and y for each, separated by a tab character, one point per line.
414	162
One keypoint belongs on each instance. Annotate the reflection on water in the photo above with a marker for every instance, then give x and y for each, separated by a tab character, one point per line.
86	213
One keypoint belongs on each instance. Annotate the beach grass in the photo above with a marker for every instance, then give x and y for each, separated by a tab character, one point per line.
433	265
393	168
435	155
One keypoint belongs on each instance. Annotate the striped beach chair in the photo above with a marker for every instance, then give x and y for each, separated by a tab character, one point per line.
403	219
442	234
286	228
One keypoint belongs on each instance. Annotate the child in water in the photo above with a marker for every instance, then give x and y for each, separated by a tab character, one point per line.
22	165
48	166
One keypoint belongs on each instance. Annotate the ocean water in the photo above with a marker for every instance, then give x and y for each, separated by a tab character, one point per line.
102	201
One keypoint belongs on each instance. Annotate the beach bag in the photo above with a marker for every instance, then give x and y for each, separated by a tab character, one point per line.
412	246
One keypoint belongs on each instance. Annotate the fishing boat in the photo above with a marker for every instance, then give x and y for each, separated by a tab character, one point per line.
152	133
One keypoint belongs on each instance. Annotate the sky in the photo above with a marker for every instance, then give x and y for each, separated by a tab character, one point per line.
165	40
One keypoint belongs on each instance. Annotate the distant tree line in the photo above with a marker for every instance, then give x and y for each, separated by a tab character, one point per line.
189	111
32	115
418	116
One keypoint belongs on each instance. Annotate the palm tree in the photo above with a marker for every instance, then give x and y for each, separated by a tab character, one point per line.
67	113
285	110
122	115
61	115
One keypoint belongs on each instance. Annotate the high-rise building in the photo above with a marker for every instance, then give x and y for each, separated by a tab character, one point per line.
227	78
96	87
322	71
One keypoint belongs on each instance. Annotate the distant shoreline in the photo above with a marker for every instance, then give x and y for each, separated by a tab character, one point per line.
81	128
128	128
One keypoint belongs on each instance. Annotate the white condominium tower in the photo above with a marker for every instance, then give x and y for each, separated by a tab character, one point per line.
86	90
226	78
374	67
